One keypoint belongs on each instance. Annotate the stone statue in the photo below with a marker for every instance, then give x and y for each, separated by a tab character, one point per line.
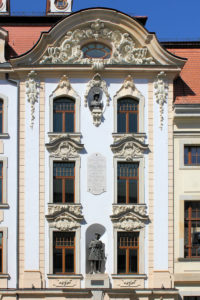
96	102
96	254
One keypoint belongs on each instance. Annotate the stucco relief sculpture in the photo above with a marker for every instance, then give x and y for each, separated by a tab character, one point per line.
96	254
64	147
129	283
161	94
64	88
64	283
128	89
65	217
129	217
94	98
125	50
32	93
128	147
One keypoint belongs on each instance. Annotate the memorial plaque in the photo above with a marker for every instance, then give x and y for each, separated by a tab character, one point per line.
96	174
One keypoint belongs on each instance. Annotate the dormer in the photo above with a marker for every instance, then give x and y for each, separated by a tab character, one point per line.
58	7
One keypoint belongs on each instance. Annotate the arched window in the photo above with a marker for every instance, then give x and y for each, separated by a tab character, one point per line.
96	50
1	116
127	115
63	115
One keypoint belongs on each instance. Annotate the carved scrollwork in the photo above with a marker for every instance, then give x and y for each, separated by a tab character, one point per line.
32	93
129	283
64	88
161	94
129	217
64	147
65	217
128	147
125	50
64	283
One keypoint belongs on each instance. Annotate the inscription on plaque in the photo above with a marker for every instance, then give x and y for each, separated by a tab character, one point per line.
96	174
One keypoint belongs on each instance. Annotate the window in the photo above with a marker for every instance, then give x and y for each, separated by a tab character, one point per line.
61	4
1	252
192	229
63	252
1	116
1	182
63	182
191	297
127	115
192	155
63	115
127	252
96	50
127	182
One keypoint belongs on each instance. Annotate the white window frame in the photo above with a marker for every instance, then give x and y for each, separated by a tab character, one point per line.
4	134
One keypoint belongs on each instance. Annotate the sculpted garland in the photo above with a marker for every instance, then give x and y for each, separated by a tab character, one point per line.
124	49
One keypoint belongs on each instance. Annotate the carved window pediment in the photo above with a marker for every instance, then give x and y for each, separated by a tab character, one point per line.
128	147
65	217
64	147
129	217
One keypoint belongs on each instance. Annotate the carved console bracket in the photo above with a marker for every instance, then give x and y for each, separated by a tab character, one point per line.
65	217
64	147
94	98
129	217
125	49
128	147
161	94
32	93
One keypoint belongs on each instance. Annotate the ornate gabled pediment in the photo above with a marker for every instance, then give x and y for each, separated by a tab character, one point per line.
65	217
128	89
64	88
128	147
129	217
64	147
125	49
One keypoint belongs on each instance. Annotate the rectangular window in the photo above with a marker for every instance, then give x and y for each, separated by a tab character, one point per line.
127	252
192	155
192	229
63	252
1	182
128	183
1	116
63	182
63	115
1	252
127	115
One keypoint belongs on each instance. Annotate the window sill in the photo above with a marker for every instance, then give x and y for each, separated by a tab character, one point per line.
4	136
192	259
4	276
4	205
72	134
129	276
64	276
135	134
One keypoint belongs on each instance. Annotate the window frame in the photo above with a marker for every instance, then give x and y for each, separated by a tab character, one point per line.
190	156
187	142
127	115
140	161
76	160
64	116
4	203
77	252
4	133
5	251
69	93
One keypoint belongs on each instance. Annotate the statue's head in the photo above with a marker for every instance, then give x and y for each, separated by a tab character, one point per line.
97	235
96	96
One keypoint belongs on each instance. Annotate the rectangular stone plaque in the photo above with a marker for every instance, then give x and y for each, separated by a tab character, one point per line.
96	174
97	282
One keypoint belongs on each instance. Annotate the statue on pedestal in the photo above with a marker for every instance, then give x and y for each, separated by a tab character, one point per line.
96	254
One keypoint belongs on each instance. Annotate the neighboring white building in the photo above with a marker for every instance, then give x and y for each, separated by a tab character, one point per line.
99	133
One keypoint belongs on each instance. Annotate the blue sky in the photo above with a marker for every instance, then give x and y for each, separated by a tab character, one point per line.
170	19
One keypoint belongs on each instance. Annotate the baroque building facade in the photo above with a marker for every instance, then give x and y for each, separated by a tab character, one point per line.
99	158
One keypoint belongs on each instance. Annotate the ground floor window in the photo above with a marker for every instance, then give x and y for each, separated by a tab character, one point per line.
192	229
127	252
63	252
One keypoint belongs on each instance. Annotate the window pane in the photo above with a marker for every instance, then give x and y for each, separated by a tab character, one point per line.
57	122
69	122
57	261
121	261
121	191
185	155
1	123
69	260
133	123
57	190
133	191
69	190
121	122
133	261
1	238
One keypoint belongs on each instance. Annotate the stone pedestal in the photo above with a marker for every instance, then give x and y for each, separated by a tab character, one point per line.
97	281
